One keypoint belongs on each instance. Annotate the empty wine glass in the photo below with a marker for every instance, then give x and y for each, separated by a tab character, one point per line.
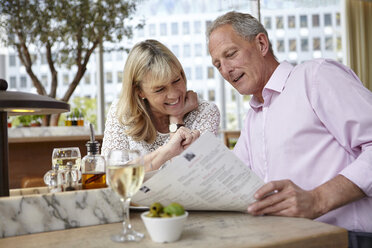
125	173
62	156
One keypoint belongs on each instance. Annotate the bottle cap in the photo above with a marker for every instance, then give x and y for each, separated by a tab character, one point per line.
92	145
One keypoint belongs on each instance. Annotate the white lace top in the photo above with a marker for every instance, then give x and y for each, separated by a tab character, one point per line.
205	118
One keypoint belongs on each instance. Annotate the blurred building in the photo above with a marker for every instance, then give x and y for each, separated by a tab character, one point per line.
298	30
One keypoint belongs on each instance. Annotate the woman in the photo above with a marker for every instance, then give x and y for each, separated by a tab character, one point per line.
155	113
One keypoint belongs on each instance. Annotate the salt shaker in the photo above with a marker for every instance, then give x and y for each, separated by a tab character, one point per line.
54	179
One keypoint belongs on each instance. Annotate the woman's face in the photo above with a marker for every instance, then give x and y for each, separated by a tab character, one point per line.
164	98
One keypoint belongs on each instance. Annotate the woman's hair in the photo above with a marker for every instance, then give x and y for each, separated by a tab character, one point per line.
152	60
244	25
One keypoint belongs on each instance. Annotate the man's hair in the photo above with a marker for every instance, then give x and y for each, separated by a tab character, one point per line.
244	25
149	60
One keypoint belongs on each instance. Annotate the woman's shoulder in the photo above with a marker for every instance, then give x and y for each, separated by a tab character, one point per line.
204	108
203	105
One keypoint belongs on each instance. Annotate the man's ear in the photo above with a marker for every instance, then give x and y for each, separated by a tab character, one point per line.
263	43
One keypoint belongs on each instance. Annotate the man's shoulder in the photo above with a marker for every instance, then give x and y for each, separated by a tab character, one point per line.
317	63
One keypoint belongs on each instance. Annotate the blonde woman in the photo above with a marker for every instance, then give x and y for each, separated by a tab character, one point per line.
155	113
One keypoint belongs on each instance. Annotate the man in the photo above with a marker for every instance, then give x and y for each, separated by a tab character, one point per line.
309	132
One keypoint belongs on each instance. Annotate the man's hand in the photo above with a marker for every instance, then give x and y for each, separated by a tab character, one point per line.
285	198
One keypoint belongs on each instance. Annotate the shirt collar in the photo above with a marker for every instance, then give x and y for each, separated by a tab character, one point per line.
276	83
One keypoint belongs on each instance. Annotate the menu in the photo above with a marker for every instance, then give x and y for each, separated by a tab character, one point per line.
206	176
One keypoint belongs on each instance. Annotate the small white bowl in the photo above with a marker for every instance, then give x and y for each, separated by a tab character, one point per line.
163	230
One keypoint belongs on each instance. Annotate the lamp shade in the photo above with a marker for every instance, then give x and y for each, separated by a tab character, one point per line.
20	103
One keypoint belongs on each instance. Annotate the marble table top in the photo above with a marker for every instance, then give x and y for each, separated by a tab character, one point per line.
202	229
35	210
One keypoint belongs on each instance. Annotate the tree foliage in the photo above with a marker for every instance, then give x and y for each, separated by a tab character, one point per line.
66	32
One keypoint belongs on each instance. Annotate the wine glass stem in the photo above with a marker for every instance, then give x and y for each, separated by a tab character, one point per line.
126	222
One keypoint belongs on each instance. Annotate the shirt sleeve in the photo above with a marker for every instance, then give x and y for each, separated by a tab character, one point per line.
344	106
206	118
114	135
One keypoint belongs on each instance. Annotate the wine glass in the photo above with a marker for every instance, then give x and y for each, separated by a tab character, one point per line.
61	156
125	173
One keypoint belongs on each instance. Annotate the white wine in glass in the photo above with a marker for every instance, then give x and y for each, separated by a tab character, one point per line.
125	173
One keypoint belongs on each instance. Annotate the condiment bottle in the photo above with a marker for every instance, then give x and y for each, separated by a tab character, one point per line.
93	165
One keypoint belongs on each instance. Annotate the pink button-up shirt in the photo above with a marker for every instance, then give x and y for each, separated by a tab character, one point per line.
315	123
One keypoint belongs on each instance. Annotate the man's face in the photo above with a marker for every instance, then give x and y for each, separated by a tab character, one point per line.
239	61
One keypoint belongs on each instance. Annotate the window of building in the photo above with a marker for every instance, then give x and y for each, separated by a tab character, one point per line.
328	43
211	95
33	57
246	98
87	78
198	73
292	45
327	20
152	29
210	72
174	28
107	56
119	76
233	95
186	51
316	21
197	27
109	77
12	60
187	71
163	29
304	45
280	45
44	80
13	82
198	50
65	79
176	50
339	44
141	32
279	22
186	28
119	56
23	82
291	21
267	22
338	19
303	21
207	24
316	44
43	59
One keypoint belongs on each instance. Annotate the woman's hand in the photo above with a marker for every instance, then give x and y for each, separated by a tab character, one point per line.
191	103
179	141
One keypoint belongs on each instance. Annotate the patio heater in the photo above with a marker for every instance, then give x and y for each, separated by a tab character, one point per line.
20	103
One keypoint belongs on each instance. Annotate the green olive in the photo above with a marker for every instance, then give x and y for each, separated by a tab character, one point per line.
174	209
156	209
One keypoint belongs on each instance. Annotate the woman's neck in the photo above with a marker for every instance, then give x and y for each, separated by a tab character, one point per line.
161	122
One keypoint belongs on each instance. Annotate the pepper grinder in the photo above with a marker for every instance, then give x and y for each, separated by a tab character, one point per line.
93	165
